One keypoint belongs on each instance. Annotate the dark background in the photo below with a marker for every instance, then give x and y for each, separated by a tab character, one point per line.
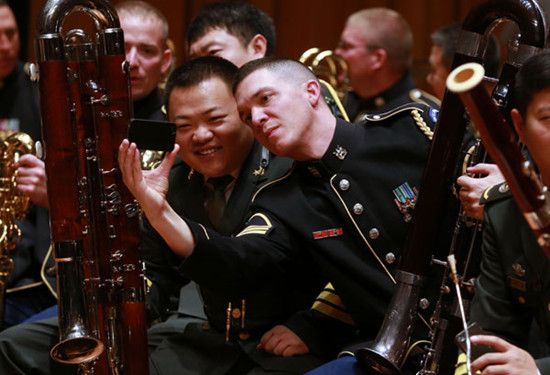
300	24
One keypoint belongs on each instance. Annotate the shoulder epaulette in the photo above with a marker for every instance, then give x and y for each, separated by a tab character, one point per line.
421	96
416	110
495	193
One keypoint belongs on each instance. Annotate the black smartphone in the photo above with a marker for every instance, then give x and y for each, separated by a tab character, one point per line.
152	135
477	350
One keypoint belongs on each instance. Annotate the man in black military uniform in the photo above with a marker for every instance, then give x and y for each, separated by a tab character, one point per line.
216	144
338	205
513	288
377	45
19	111
146	45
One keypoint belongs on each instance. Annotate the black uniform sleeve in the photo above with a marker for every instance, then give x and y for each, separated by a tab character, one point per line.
161	266
236	266
324	335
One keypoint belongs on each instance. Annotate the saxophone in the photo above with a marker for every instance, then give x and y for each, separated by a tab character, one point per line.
13	204
332	71
84	96
388	352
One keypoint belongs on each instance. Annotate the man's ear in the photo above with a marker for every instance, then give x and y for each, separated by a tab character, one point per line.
314	92
167	57
257	46
380	57
519	124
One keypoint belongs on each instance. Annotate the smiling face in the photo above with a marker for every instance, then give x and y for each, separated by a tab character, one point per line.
9	41
146	51
277	111
211	136
218	42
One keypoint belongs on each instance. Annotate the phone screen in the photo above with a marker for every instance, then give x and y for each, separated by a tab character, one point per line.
152	135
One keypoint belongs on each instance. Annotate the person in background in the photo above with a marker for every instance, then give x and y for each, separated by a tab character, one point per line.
27	293
513	288
377	45
320	213
478	177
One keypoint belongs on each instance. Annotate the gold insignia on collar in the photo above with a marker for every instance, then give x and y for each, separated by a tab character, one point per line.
340	152
191	172
259	172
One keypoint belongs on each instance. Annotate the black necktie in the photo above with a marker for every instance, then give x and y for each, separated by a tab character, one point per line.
214	202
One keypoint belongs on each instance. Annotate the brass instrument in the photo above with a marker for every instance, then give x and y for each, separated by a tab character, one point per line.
85	105
389	350
13	204
332	71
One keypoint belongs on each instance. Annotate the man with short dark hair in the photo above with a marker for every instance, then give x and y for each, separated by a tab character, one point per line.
238	32
513	287
323	208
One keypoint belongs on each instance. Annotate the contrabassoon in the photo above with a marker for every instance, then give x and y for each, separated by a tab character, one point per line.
501	143
388	352
86	108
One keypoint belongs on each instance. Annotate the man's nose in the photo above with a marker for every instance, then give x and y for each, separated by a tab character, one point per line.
202	134
131	56
258	117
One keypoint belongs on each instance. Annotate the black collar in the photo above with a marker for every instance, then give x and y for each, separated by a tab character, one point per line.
337	152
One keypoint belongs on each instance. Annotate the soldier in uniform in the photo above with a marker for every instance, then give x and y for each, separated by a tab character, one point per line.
217	144
337	205
377	44
513	288
27	293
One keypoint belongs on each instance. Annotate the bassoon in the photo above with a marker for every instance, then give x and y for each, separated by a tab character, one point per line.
388	352
85	107
501	143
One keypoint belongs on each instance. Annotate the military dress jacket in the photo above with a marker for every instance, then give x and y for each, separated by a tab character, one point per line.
514	285
150	107
402	92
341	211
236	321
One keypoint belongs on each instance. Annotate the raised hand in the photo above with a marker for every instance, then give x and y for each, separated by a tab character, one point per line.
148	187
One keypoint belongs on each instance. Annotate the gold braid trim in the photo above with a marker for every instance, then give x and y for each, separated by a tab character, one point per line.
422	124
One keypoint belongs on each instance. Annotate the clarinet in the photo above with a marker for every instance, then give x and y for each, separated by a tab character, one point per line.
85	105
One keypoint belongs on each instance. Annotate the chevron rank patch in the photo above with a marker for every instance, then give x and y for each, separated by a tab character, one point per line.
328	302
258	224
